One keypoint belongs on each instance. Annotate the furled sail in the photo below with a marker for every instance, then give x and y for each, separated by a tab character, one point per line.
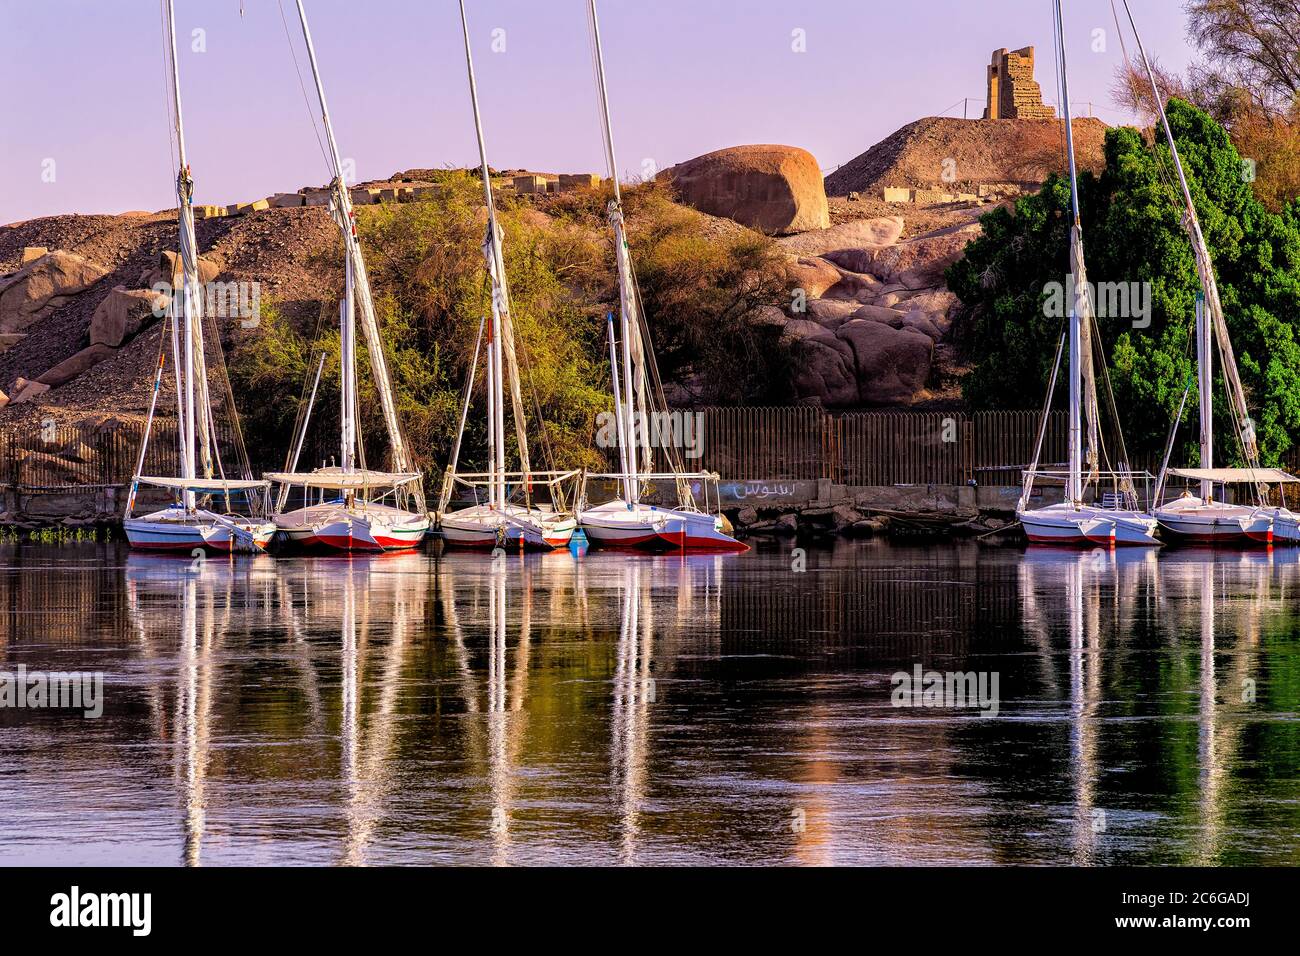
1087	371
637	387
501	304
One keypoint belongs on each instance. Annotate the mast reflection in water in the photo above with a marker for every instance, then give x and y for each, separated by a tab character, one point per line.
606	708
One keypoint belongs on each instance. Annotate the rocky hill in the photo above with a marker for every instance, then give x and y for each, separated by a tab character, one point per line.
49	320
958	154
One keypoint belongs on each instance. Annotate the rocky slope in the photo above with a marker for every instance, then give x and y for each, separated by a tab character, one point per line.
273	247
964	154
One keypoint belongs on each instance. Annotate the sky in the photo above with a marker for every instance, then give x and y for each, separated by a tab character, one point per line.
85	123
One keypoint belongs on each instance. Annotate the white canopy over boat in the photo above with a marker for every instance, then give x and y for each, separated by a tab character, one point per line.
339	478
204	486
1272	476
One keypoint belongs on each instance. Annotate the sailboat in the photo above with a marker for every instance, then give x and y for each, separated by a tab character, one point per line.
626	521
366	510
499	521
1115	519
185	524
1204	518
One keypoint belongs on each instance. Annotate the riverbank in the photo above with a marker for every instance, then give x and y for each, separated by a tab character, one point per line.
782	509
824	509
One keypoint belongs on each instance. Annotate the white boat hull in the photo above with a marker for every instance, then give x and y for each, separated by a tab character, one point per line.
486	528
175	529
1286	526
1065	524
616	525
368	527
1193	520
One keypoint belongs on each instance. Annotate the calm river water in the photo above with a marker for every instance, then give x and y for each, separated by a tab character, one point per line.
601	708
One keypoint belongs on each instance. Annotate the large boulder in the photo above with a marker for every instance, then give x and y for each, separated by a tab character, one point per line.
774	189
856	286
915	264
831	313
824	372
879	313
42	286
892	364
74	365
858	234
122	313
168	270
24	390
812	274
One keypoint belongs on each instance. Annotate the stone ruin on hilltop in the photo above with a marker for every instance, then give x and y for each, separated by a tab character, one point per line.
1013	91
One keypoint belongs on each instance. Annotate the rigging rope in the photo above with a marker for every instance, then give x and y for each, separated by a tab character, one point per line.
301	85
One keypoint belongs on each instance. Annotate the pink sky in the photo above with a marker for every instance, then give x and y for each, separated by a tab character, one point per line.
84	85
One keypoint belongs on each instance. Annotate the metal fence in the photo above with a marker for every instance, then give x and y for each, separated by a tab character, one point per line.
65	457
750	443
872	448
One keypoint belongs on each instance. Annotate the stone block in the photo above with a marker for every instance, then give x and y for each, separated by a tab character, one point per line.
527	185
897	194
25	390
572	181
932	197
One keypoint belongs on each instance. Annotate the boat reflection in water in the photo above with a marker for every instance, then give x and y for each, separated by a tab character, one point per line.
1199	610
605	708
1096	585
195	595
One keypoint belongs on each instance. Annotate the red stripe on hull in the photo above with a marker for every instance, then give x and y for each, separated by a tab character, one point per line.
491	545
1071	541
471	545
681	542
650	540
217	547
339	542
1222	537
164	546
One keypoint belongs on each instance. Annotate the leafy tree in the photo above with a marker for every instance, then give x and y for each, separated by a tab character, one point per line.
1249	81
1132	233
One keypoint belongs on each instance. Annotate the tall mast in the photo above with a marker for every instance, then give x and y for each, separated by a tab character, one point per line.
632	359
501	350
1074	488
192	381
1211	325
347	314
360	282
